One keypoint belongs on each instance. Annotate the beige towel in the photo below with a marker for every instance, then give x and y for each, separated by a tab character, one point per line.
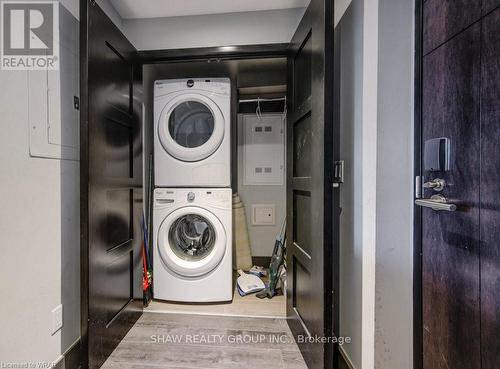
242	256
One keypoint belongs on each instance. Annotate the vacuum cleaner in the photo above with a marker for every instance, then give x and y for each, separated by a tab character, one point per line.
276	264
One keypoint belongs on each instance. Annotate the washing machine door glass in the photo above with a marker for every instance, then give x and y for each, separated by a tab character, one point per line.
192	237
191	124
191	241
191	127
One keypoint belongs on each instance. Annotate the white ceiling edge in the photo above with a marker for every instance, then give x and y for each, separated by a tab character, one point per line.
133	9
215	30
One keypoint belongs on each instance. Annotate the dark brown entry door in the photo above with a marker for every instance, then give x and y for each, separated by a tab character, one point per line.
111	186
310	217
461	249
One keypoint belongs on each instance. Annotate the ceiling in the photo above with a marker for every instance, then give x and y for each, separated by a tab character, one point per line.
173	8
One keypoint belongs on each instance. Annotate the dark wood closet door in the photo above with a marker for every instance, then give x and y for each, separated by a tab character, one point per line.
450	240
309	184
490	191
461	249
111	175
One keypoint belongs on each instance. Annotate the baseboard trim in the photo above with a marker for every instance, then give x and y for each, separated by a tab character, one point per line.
166	311
346	358
71	358
261	261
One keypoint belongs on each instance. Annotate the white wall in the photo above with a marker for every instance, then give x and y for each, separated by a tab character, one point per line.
262	238
369	179
39	230
394	257
376	142
350	27
358	116
246	28
273	26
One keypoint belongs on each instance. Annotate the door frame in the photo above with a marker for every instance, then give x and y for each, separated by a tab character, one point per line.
258	51
84	192
417	210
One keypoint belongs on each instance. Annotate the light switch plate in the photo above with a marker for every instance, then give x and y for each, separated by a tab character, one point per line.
263	214
57	318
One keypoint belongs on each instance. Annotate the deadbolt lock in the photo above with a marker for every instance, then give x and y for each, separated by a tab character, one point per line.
436	184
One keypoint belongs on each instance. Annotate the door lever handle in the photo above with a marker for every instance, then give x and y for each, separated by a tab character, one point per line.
436	202
437	184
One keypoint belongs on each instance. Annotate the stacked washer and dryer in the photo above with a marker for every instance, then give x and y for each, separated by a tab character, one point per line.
192	222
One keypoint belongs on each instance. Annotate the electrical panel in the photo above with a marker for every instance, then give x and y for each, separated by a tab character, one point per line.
263	149
53	99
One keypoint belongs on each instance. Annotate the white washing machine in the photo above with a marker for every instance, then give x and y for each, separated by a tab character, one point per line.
192	132
192	258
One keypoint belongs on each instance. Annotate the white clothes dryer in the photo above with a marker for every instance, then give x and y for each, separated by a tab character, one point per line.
192	142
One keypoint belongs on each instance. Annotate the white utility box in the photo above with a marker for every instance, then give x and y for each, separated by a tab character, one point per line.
263	214
263	150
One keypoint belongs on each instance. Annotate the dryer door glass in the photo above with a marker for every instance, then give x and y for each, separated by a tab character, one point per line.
191	124
192	237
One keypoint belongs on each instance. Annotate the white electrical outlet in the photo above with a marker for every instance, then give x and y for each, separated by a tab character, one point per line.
57	318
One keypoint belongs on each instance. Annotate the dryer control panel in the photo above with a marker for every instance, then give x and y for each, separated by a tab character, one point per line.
221	86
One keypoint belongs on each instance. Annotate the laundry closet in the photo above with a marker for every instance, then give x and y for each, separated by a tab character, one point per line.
209	174
215	132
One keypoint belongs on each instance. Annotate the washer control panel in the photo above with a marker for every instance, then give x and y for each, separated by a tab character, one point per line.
176	197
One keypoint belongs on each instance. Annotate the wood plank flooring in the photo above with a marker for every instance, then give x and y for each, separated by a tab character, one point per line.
174	341
249	306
